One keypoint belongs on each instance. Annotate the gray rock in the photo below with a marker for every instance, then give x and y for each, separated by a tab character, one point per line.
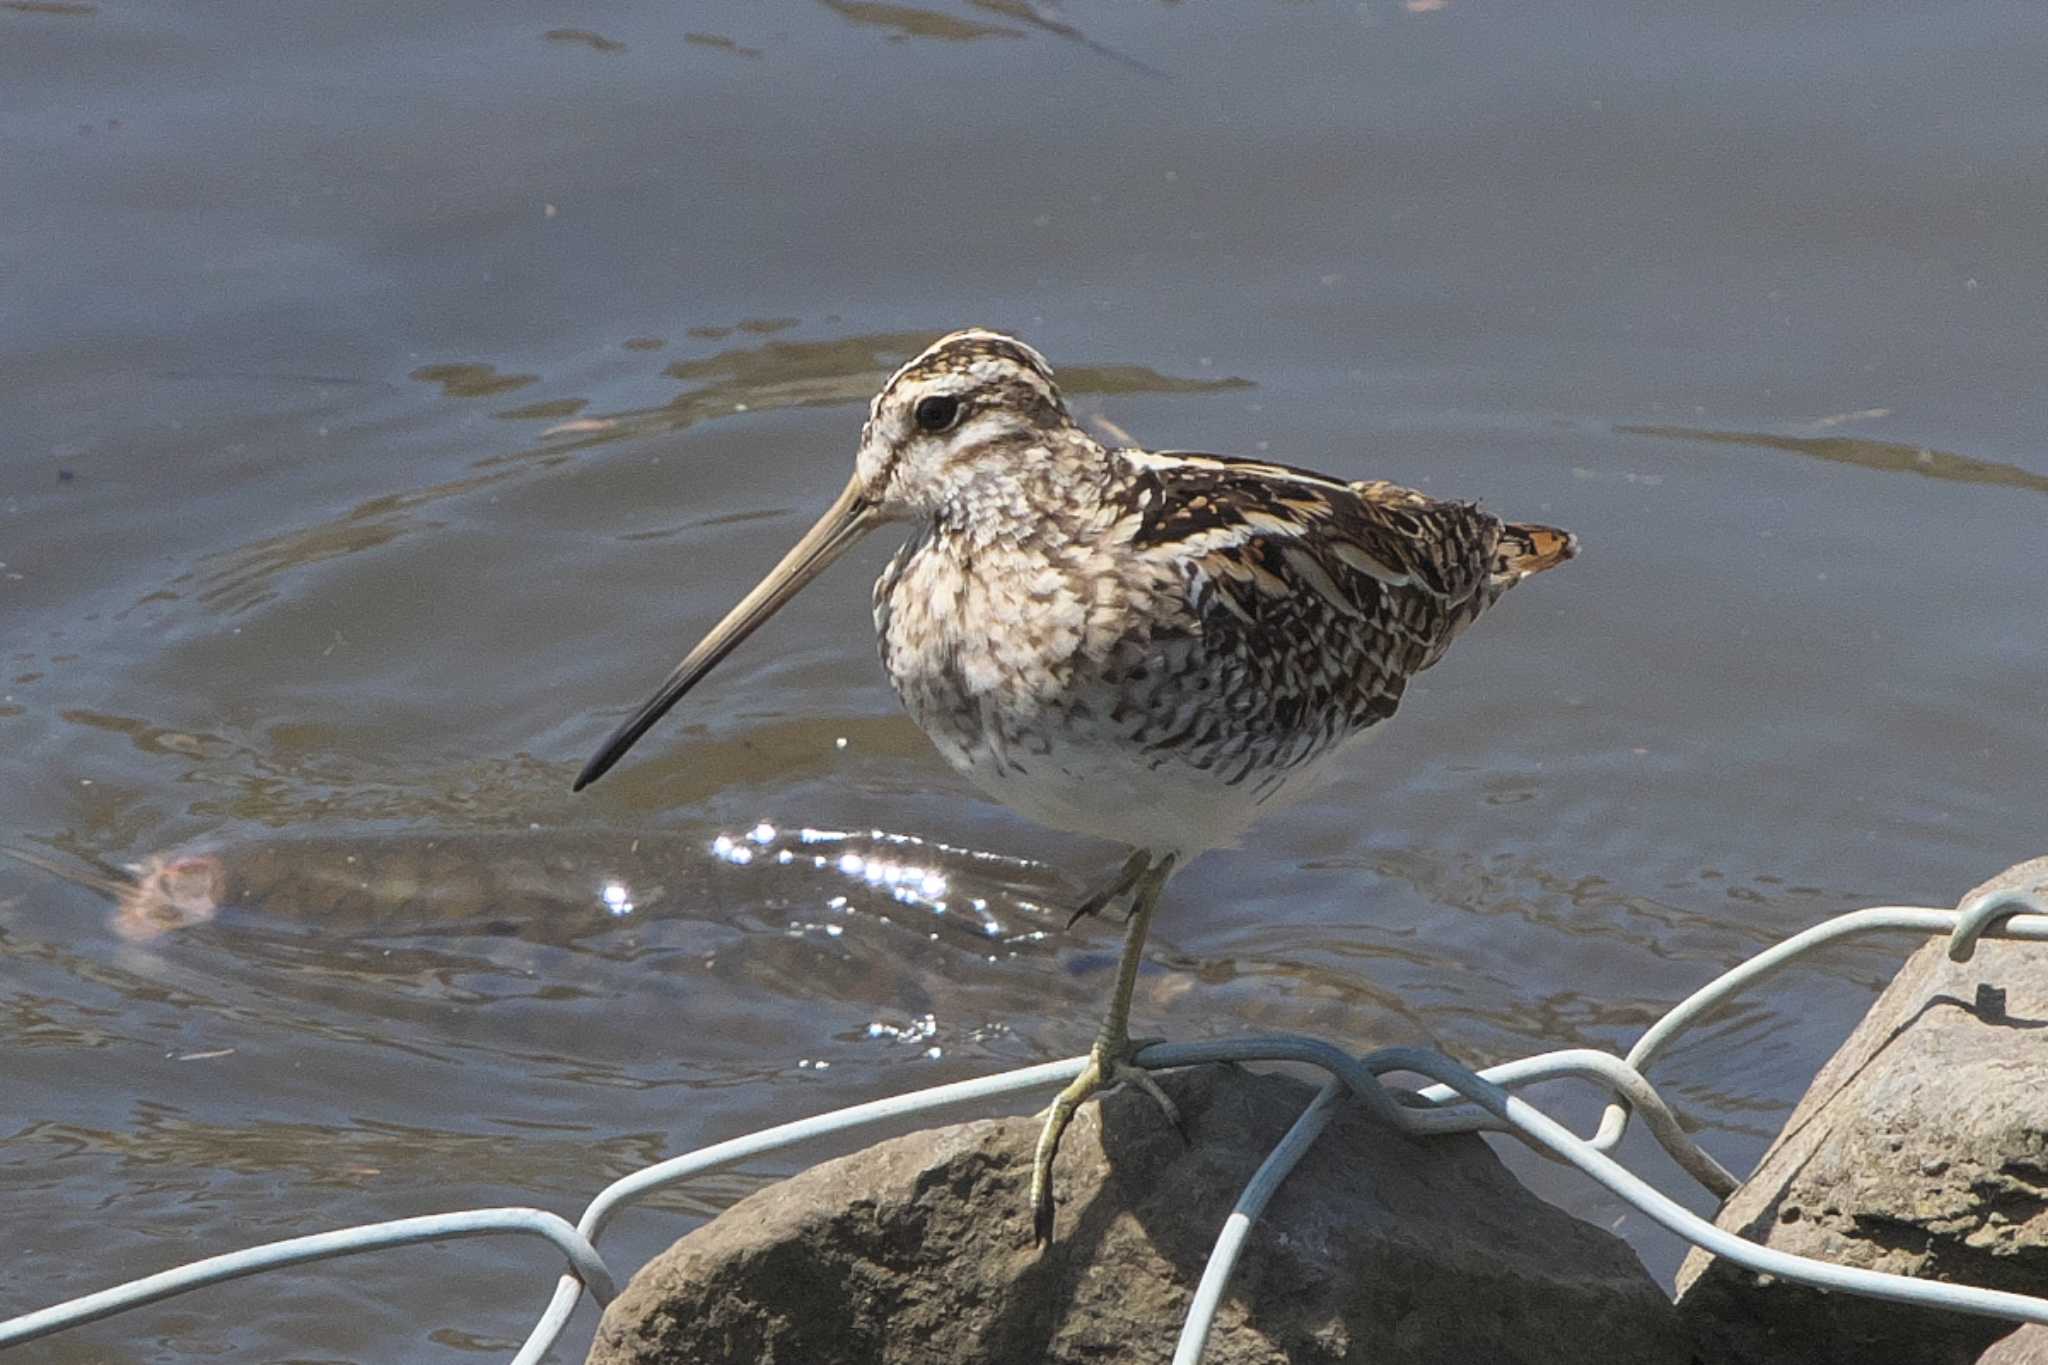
917	1250
2028	1346
1921	1149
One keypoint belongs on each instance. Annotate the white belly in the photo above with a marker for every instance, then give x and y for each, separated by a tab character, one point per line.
1092	784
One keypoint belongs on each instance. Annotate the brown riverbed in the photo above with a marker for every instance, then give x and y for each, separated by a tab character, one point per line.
391	392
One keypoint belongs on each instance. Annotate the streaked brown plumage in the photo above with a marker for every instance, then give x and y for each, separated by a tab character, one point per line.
1151	647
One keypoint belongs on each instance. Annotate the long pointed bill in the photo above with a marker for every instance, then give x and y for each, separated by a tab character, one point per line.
848	519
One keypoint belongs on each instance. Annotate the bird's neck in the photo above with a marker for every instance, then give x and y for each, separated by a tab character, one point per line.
1055	491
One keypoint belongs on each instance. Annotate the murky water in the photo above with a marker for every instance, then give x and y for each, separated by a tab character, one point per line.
391	392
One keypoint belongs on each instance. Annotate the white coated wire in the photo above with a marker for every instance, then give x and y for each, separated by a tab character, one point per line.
1194	1332
321	1246
1884	919
637	1186
1460	1101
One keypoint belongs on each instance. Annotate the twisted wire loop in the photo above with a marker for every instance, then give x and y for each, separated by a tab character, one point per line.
1884	919
1458	1100
1980	912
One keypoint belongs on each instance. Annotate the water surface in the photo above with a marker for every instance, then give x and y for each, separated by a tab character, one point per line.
393	392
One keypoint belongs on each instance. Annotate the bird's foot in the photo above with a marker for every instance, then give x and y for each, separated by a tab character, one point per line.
1109	1065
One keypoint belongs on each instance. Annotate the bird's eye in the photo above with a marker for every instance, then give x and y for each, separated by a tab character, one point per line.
937	412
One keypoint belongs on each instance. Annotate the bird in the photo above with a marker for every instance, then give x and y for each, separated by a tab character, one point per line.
1153	647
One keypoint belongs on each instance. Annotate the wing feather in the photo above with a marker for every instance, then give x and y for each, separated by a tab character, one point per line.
1338	536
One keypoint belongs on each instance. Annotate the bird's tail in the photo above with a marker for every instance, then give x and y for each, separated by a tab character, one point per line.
1527	548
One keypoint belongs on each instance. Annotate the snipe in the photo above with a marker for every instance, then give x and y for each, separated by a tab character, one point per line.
1150	647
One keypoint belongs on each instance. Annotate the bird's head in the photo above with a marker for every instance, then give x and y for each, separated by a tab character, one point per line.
959	423
962	425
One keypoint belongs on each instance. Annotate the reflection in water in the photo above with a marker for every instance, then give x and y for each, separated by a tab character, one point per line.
775	374
849	370
215	376
909	21
553	407
834	370
721	43
596	42
155	740
760	327
1033	14
904	22
471	381
872	931
1583	904
581	426
291	775
244	577
314	1155
562	885
300	773
1841	419
1890	457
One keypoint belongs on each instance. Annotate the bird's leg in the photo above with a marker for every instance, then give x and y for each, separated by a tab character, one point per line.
1109	1061
1134	868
